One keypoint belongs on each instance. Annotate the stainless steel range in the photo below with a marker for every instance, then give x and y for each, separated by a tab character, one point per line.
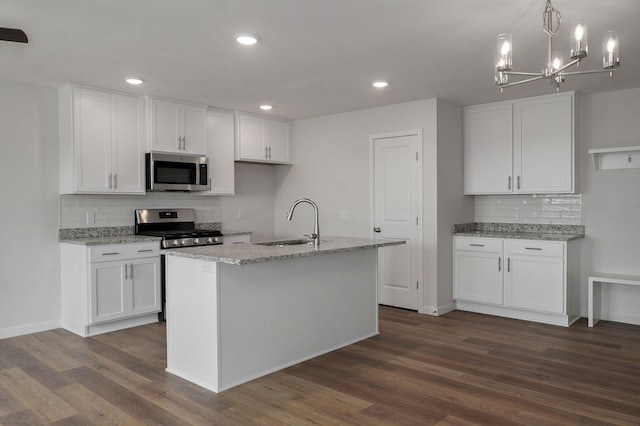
176	227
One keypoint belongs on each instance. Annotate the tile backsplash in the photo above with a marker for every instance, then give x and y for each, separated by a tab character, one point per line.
117	210
557	209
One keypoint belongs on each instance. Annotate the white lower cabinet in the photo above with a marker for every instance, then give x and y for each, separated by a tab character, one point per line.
478	270
110	287
525	279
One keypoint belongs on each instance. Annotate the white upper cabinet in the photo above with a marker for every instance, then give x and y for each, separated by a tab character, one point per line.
220	138
262	140
177	127
488	149
520	147
101	141
543	142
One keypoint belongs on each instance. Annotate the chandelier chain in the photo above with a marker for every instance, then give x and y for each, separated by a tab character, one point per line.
551	19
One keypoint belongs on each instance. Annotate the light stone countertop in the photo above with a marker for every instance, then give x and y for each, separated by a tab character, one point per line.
520	231
250	253
113	239
520	235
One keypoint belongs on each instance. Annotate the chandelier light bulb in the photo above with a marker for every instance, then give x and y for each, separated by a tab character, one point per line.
504	52
579	48
610	50
506	48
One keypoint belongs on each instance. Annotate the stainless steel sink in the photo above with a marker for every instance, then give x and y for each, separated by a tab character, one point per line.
283	243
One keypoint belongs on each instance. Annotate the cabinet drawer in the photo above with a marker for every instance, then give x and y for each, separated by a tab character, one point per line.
534	247
111	252
478	244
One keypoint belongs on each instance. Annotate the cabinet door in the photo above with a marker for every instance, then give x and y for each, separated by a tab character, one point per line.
145	286
544	144
127	157
477	277
278	140
250	138
220	139
194	125
165	129
488	149
91	135
107	293
535	282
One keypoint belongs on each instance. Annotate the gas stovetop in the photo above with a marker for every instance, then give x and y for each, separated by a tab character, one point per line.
176	227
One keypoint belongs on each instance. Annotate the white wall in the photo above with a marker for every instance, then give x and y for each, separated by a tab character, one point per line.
611	200
255	195
29	253
331	166
453	207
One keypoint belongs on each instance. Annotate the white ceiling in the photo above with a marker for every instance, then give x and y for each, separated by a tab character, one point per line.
316	57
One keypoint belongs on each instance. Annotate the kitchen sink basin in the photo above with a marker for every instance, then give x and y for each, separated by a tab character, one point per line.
283	243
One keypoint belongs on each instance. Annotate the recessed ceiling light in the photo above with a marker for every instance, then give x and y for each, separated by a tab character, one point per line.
379	84
134	81
247	39
266	107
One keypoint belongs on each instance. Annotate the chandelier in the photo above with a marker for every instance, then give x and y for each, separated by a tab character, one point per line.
555	70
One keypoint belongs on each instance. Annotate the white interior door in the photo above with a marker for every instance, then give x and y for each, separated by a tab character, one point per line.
397	186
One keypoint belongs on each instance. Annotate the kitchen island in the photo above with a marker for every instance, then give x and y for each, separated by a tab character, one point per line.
235	313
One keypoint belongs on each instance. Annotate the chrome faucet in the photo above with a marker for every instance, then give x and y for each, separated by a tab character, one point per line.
316	228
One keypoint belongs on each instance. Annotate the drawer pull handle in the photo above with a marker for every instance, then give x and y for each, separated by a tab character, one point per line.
144	251
499	264
533	248
477	245
111	254
508	264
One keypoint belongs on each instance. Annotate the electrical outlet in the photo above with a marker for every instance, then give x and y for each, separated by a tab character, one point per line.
91	218
344	214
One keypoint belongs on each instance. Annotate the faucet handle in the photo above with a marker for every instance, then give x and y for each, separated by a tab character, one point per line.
311	236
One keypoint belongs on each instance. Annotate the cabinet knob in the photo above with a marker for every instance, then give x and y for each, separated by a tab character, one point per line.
377	229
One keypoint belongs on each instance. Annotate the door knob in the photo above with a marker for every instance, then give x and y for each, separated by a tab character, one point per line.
377	229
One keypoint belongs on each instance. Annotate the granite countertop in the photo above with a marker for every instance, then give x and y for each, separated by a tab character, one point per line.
113	239
96	236
521	235
230	233
250	253
520	231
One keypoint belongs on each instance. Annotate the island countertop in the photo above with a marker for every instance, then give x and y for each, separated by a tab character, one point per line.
250	253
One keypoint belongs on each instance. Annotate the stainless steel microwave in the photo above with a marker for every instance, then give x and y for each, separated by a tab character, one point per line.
176	172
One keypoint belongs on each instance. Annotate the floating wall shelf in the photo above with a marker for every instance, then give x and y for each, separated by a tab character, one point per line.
626	157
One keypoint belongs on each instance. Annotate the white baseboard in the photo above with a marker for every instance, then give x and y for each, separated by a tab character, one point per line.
437	311
28	329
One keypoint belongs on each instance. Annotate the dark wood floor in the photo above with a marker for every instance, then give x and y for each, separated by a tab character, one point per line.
458	369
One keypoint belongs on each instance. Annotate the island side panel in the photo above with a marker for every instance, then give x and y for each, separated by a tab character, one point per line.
192	320
277	314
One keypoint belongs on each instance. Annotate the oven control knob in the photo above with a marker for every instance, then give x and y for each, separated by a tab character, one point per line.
175	242
196	241
183	242
210	240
